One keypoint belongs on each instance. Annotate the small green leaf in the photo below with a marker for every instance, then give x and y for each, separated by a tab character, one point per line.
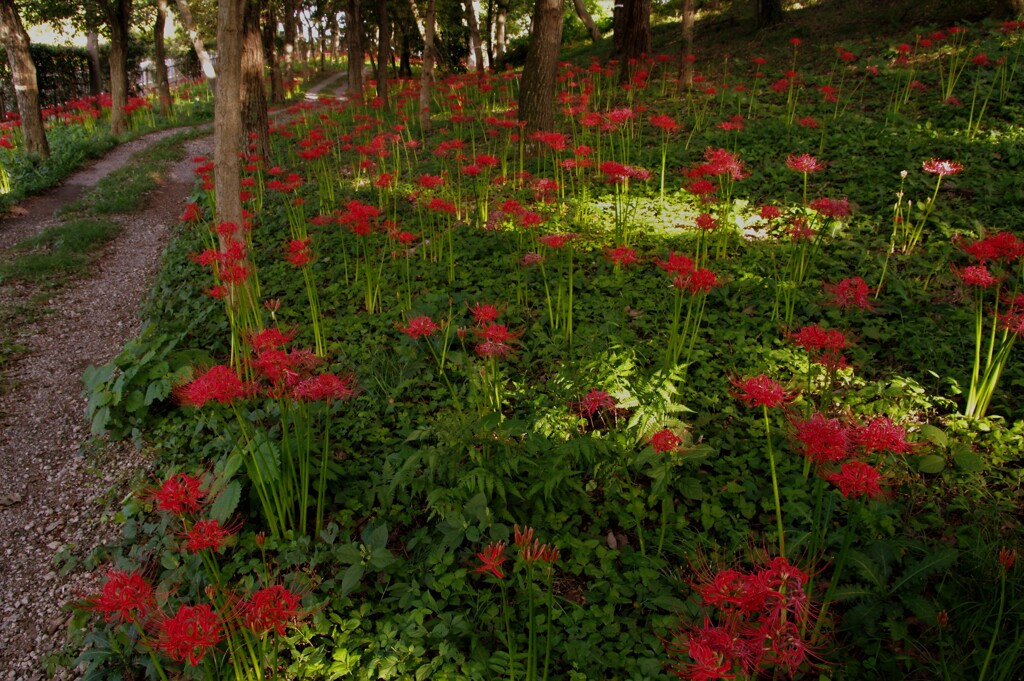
932	463
226	502
968	461
691	488
351	579
934	435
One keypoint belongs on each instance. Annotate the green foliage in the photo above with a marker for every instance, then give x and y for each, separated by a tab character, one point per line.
58	252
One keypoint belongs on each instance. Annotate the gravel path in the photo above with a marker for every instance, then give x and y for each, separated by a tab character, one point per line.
54	493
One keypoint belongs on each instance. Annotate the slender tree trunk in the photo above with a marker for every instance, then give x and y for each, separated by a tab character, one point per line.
769	13
383	50
500	30
427	76
537	85
254	98
118	14
288	7
270	52
23	72
685	63
163	88
354	40
489	32
636	35
1009	9
335	44
588	21
92	51
227	131
476	48
209	73
405	58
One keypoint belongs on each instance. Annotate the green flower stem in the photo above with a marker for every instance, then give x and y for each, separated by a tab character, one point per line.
999	621
775	483
852	524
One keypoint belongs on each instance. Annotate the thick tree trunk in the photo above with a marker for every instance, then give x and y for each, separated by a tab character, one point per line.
685	63
588	21
288	7
23	72
383	50
476	48
769	12
537	84
227	112
118	14
636	35
92	51
163	88
254	99
209	73
427	76
405	58
501	30
270	52
354	40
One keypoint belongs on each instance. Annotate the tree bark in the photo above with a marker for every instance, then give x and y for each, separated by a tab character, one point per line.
501	30
288	7
383	51
769	13
588	21
254	98
92	51
163	88
118	14
227	112
685	64
23	72
354	40
1008	9
270	52
209	73
636	35
537	84
427	75
476	48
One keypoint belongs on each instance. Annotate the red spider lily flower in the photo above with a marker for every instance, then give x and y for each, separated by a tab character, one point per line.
484	313
823	440
537	552
299	253
761	391
804	163
439	205
1003	246
491	559
1007	558
556	240
282	368
522	537
702	187
189	634
192	213
325	388
206	534
850	292
665	441
831	208
769	212
706	222
698	281
125	597
420	326
621	255
219	292
271	608
219	383
430	181
1013	321
530	259
815	338
664	123
857	479
807	122
594	401
270	338
980	59
486	161
676	264
723	162
976	275
942	168
880	434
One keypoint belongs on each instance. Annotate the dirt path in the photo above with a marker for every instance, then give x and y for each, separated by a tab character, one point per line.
51	495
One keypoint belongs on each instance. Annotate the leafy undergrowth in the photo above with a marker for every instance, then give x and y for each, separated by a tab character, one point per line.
475	405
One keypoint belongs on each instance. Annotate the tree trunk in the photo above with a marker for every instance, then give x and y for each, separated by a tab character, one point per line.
685	63
476	48
118	14
227	112
383	51
537	85
427	76
163	88
270	52
354	38
500	30
636	35
92	51
185	14
288	7
1008	9
489	32
588	21
405	58
769	13
254	99
23	72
